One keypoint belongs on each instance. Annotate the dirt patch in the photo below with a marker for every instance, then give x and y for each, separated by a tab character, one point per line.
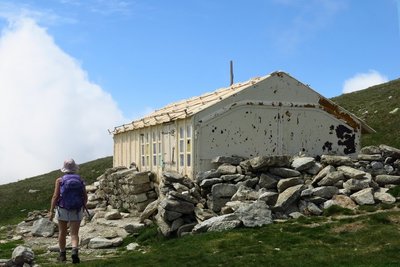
348	228
395	219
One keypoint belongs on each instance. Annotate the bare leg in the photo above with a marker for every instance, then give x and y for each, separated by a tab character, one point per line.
74	227
62	234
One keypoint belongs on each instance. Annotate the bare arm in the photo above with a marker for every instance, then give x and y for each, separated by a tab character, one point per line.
54	199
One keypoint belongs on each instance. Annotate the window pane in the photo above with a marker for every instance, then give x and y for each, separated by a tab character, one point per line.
188	157
181	159
181	133
189	131
188	146
181	145
154	148
154	160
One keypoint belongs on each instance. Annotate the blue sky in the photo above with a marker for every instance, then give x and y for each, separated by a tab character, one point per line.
95	64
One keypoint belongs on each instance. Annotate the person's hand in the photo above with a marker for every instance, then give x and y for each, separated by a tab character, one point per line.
51	215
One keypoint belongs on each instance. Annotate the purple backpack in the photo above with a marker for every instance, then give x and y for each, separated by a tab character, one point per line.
71	192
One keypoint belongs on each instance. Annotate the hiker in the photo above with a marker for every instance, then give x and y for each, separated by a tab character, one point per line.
68	201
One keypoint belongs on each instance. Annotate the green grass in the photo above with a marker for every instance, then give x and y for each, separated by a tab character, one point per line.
373	106
372	240
16	202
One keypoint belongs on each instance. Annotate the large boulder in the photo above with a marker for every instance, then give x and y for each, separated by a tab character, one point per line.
43	227
364	197
22	255
254	214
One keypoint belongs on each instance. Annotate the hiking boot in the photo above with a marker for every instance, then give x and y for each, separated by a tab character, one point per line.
62	257
75	258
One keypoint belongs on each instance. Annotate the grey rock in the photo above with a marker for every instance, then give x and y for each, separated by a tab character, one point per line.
22	254
150	210
226	169
234	160
176	224
210	182
113	215
315	168
269	197
389	151
336	160
384	179
250	182
169	215
267	181
134	228
384	197
284	172
132	246
43	227
322	174
223	190
351	173
287	197
331	178
254	214
232	177
269	161
224	226
364	197
207	175
313	209
138	178
370	150
204	214
183	197
283	184
303	163
101	242
354	185
183	207
172	177
370	157
163	226
326	192
184	229
205	225
245	193
389	169
376	165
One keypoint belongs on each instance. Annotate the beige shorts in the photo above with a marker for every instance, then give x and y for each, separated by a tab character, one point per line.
68	215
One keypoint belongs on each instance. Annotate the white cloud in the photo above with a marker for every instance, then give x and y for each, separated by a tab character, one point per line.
362	81
49	110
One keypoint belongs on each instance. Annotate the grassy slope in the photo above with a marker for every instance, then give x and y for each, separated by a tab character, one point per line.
369	240
373	106
16	202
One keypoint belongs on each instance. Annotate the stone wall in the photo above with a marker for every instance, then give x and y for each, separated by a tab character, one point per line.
123	189
251	192
257	191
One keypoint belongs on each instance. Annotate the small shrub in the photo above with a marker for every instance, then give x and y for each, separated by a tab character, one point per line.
379	218
337	210
395	191
368	208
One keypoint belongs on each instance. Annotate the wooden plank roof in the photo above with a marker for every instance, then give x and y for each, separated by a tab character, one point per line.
187	108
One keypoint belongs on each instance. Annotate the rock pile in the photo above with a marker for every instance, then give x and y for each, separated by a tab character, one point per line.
21	256
253	192
123	189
